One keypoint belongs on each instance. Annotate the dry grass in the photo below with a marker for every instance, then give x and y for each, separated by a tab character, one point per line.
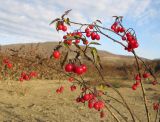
37	101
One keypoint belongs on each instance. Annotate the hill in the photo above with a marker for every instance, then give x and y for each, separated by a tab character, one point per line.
114	65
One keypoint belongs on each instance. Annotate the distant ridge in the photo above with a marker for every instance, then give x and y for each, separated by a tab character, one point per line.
47	48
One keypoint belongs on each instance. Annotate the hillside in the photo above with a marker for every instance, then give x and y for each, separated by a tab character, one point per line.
114	65
47	48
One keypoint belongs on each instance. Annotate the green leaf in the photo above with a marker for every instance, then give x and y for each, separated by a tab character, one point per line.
102	88
67	21
76	36
95	43
65	45
94	53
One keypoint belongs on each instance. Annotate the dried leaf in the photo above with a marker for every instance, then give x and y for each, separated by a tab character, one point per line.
95	43
64	60
99	21
99	61
65	13
54	21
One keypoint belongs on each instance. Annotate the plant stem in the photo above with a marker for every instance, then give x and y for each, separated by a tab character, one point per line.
142	87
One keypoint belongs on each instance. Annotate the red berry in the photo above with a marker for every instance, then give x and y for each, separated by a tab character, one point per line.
128	34
58	91
97	37
91	96
79	70
134	87
64	28
73	34
93	35
56	54
137	78
26	77
69	68
91	103
85	42
82	100
88	34
97	106
113	27
146	75
79	34
69	42
23	74
154	82
32	74
122	30
9	65
130	38
101	104
21	79
156	106
61	89
60	27
71	79
86	97
118	29
73	88
123	38
78	99
64	37
91	26
87	30
6	61
84	67
77	41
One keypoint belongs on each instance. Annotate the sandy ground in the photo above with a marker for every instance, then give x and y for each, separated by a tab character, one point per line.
36	101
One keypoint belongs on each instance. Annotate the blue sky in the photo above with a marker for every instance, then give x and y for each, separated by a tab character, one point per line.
25	21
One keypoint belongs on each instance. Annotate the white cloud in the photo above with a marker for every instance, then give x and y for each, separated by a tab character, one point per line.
30	19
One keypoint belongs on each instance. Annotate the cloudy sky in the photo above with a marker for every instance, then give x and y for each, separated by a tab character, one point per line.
25	21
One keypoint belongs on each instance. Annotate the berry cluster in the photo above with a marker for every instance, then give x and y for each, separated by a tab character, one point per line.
60	90
72	68
138	80
27	76
73	88
70	37
62	27
126	36
7	63
93	102
116	27
92	96
92	34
